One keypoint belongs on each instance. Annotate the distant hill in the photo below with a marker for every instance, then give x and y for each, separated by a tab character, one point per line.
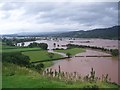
105	33
32	34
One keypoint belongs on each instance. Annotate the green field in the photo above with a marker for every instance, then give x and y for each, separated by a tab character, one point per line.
40	55
35	54
72	51
21	77
21	49
18	49
9	47
14	76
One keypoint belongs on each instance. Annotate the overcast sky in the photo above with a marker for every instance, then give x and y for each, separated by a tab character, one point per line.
56	16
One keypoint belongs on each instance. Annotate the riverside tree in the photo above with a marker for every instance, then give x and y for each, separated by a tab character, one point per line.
43	46
68	55
114	52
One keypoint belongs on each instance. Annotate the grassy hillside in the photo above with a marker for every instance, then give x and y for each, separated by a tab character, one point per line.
21	77
106	33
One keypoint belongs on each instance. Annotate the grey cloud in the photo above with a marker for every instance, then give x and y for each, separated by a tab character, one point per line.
35	8
91	13
11	6
88	14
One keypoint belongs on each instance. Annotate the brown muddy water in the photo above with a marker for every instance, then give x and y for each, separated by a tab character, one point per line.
109	44
83	65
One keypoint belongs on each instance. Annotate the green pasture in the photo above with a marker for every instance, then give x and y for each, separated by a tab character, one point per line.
40	55
72	51
18	49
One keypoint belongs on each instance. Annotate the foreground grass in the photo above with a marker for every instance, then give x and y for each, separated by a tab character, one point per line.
72	51
21	77
40	55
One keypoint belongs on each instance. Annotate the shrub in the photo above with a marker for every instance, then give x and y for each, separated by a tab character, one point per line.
68	55
114	52
34	44
91	87
39	66
16	58
43	46
50	55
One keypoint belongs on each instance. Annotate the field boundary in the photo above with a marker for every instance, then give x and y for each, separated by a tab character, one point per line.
48	60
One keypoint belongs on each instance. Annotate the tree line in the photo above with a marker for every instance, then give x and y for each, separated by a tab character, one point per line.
14	41
43	46
114	52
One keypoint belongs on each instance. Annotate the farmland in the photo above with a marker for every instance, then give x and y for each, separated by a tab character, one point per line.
31	75
72	51
40	55
6	49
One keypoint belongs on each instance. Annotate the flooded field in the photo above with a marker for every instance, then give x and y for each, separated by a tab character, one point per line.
109	44
83	65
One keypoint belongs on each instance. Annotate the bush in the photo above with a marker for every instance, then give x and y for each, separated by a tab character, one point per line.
114	52
34	44
43	46
50	55
91	87
39	66
16	58
68	55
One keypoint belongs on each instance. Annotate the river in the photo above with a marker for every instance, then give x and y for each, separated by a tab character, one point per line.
109	44
83	65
